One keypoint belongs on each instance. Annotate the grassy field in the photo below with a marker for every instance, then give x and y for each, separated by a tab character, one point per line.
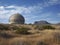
35	36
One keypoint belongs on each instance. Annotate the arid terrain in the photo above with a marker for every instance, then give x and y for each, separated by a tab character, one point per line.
34	35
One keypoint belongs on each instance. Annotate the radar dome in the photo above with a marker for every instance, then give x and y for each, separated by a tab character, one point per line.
16	19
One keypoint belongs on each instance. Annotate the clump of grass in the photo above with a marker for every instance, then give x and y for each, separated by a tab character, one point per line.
4	27
37	27
14	27
57	37
29	24
22	30
48	27
42	27
41	43
5	35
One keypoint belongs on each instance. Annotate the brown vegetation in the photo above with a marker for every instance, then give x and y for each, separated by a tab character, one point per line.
38	37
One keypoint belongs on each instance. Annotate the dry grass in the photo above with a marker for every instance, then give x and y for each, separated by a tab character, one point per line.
45	37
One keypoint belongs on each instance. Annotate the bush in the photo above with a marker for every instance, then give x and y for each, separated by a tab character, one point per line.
38	27
13	27
41	43
22	30
4	27
5	35
48	27
29	24
42	27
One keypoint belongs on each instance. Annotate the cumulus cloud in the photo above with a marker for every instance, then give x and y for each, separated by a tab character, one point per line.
54	1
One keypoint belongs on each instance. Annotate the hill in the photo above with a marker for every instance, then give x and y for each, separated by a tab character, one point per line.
41	22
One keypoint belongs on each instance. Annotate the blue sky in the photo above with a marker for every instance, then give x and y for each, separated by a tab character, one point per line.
32	10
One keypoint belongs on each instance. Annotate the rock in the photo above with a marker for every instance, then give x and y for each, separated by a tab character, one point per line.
41	22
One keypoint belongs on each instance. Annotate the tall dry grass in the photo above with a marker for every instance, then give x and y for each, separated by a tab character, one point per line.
46	37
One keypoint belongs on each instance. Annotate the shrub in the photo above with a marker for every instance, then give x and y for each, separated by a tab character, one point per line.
4	27
42	27
41	43
5	35
22	30
14	27
38	27
29	24
48	27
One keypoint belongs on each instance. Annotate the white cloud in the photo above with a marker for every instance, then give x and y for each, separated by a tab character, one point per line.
54	1
50	2
58	14
1	7
11	6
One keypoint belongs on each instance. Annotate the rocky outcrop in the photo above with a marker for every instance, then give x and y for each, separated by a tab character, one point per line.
41	22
